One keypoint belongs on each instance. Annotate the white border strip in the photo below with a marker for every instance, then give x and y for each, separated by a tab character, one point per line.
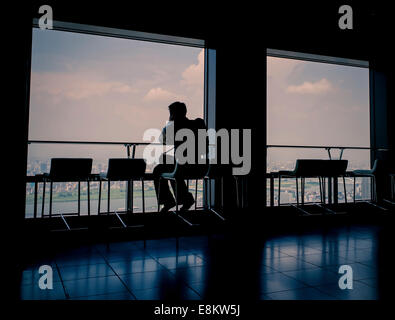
123	33
317	58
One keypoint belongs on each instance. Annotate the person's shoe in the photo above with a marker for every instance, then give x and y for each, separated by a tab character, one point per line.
167	207
187	204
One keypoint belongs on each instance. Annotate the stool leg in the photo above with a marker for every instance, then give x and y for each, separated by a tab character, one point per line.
210	191
98	205
242	192
345	190
159	193
271	191
196	183
79	198
222	192
319	181
43	203
131	194
142	193
89	198
50	199
108	196
374	189
206	192
354	189
297	191
35	199
237	192
176	192
279	192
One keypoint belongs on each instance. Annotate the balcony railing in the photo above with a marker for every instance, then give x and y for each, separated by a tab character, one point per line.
65	194
359	160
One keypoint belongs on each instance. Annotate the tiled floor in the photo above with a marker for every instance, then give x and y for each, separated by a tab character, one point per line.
303	266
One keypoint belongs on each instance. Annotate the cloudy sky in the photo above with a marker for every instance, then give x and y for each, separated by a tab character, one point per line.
95	88
311	103
86	87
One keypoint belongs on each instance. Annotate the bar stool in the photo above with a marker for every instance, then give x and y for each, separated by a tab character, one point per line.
184	172
68	170
378	166
314	168
304	168
366	174
122	169
218	172
333	169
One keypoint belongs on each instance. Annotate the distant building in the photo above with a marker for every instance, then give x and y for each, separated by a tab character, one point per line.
43	167
365	188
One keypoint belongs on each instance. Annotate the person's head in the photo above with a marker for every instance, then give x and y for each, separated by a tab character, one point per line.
177	110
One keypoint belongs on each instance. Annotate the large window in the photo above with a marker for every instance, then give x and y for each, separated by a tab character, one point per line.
317	104
93	88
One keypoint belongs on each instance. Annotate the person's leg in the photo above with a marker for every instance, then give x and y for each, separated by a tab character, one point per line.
162	189
165	196
184	197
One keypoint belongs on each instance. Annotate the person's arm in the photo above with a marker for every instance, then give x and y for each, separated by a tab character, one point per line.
162	137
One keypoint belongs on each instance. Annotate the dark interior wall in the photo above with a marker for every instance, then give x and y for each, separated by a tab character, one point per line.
240	34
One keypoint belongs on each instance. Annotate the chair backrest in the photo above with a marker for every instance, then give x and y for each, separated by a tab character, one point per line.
122	169
320	168
378	165
334	168
308	167
190	171
219	170
69	169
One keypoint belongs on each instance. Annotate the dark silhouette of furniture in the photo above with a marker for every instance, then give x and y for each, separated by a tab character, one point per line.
184	172
36	179
67	170
122	169
391	198
378	167
366	174
333	169
392	177
314	168
217	172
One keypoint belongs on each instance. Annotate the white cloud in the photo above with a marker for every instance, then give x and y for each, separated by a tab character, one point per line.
160	95
307	87
280	68
193	75
75	86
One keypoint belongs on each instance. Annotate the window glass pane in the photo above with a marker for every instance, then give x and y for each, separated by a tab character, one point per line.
317	104
311	103
94	88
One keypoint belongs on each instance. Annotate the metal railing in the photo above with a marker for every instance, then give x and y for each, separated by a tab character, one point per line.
271	176
327	148
130	148
127	145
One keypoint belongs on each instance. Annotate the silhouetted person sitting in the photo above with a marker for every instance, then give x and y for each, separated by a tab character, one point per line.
178	119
